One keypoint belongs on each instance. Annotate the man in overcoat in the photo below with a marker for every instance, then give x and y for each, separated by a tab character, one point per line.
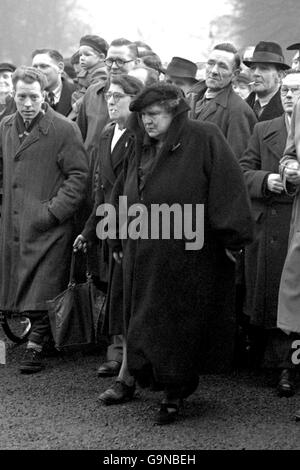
264	258
214	100
267	66
44	170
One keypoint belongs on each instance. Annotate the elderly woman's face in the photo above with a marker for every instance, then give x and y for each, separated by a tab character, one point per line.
118	103
156	121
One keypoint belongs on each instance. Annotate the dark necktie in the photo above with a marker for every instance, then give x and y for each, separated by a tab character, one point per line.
51	99
257	108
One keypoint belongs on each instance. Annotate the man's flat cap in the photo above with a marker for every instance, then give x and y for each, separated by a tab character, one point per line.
6	66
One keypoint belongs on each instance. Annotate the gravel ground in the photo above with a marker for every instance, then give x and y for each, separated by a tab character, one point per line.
58	409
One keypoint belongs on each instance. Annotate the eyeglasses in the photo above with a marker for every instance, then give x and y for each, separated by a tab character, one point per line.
119	62
115	95
285	89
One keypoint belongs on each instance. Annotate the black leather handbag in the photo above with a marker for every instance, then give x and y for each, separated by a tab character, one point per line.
77	314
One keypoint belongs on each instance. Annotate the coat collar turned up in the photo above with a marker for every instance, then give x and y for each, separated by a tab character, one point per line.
42	127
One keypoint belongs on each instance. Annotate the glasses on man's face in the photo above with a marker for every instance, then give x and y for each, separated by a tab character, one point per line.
115	95
119	62
294	89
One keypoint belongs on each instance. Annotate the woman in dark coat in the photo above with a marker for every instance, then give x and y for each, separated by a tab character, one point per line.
178	299
115	142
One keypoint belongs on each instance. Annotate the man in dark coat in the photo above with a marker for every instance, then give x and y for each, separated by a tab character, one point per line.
264	258
267	66
215	101
44	171
59	90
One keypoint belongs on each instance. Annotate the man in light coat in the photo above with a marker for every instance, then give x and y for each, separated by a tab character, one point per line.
44	171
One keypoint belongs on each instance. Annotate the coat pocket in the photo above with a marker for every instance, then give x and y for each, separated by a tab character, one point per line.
44	220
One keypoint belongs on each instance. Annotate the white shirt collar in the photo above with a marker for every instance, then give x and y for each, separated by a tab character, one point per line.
57	92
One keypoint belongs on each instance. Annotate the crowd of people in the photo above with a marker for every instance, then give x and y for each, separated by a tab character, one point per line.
213	153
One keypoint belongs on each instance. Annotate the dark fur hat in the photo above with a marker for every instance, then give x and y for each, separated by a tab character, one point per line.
157	93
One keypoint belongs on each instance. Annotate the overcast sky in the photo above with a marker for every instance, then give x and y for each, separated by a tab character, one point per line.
170	27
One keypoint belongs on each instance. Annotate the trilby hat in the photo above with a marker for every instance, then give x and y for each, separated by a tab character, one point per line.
268	53
179	67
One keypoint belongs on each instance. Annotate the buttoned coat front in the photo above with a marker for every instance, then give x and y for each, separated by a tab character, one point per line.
264	258
44	176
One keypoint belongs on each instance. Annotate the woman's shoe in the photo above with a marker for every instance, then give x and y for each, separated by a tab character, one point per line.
168	412
286	386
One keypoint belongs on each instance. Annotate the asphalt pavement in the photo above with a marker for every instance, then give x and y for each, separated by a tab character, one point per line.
58	409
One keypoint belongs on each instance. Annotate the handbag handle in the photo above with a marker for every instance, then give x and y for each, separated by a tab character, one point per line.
88	274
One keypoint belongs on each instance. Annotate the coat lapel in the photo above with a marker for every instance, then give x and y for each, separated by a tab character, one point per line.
41	127
106	166
275	136
118	151
64	105
220	100
208	110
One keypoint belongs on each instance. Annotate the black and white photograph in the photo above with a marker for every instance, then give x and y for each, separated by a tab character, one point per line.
149	229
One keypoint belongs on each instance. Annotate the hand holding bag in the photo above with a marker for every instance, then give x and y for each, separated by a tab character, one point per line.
77	313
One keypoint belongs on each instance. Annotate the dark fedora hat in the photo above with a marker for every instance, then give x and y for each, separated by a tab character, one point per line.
179	67
7	67
294	47
268	53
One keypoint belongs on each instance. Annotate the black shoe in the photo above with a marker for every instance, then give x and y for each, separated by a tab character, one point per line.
118	393
31	362
168	413
109	369
297	415
286	387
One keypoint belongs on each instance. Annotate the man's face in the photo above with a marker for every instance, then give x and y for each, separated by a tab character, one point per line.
184	83
126	57
50	68
29	99
296	61
290	91
6	85
266	78
219	69
156	120
242	89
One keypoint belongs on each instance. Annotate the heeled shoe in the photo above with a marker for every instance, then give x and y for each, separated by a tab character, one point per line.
168	412
286	386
